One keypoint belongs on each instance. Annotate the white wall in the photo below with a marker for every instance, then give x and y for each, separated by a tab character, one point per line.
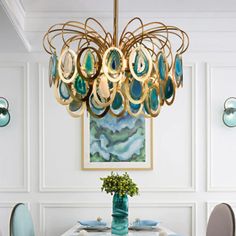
194	153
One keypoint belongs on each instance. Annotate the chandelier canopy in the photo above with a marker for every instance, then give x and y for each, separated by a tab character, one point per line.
95	71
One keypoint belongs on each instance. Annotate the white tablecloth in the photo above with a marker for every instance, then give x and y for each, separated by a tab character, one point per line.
74	232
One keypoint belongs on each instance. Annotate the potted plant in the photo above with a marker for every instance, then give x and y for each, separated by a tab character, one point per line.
120	186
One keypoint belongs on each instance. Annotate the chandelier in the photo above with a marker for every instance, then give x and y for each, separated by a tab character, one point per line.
96	71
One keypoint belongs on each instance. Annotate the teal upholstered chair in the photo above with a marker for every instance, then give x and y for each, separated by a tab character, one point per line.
21	223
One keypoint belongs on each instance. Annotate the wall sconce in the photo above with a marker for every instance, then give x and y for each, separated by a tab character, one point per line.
229	115
4	112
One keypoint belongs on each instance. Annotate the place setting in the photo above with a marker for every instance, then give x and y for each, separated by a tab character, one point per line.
100	227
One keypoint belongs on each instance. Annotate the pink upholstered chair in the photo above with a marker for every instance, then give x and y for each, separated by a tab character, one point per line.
221	221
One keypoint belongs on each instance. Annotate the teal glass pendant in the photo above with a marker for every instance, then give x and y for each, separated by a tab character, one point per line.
80	85
162	66
169	88
120	215
136	89
114	61
4	112
141	65
117	103
229	115
64	91
89	63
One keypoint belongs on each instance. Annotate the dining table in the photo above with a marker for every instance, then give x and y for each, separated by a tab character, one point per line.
75	231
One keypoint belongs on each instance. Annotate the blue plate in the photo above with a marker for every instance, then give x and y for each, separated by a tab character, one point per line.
92	223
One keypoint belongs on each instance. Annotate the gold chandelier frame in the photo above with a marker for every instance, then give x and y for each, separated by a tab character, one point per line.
105	86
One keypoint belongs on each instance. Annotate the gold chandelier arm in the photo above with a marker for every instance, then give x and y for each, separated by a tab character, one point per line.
126	27
87	29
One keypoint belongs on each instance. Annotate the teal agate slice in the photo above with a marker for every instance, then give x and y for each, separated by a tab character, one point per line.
134	107
169	89
114	61
64	91
89	63
75	106
154	99
52	69
54	66
136	89
162	67
94	106
178	67
146	107
117	103
80	85
141	65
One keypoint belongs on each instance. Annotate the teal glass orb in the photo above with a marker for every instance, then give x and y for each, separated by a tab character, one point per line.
229	115
4	113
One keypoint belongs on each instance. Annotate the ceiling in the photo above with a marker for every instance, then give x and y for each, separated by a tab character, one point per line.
26	21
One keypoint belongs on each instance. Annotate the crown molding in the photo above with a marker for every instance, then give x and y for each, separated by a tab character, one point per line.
16	14
72	14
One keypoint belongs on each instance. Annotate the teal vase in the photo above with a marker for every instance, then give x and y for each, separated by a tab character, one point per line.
120	222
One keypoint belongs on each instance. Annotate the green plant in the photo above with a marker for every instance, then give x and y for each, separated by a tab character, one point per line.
120	184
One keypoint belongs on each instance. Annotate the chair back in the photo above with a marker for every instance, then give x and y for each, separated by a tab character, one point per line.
221	221
21	223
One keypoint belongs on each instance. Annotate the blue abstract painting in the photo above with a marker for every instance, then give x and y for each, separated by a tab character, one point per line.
117	139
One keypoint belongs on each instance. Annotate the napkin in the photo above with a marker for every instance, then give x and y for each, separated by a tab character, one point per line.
142	223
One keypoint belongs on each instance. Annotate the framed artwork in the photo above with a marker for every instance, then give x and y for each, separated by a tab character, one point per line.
123	143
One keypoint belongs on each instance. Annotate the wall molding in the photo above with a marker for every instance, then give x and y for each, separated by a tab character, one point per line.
129	14
210	186
26	152
64	189
52	205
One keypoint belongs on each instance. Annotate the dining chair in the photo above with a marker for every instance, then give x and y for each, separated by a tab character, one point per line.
221	221
21	223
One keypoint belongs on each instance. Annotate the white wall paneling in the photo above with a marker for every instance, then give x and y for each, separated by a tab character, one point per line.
220	139
51	179
63	214
14	139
